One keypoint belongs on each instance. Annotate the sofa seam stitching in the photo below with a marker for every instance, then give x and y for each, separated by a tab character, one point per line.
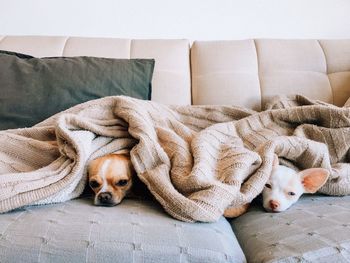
64	45
2	39
325	59
191	71
130	47
258	68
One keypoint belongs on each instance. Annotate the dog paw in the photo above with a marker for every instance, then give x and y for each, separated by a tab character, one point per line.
236	211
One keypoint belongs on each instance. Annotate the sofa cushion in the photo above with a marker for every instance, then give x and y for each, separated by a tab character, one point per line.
249	73
33	89
134	231
316	229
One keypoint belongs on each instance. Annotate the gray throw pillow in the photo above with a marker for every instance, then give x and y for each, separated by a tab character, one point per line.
32	89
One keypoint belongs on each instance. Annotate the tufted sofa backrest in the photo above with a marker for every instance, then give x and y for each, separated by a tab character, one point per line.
249	72
237	72
171	78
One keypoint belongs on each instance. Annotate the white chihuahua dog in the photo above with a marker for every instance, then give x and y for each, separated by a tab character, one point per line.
285	186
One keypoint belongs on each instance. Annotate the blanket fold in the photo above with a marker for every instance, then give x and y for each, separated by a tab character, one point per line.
197	161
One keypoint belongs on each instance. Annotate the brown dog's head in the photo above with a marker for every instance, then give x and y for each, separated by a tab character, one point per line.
110	177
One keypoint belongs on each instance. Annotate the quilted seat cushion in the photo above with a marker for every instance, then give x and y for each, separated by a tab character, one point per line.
316	229
134	231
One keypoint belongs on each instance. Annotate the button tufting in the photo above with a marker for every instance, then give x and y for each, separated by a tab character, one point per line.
137	246
311	233
184	250
340	249
300	259
90	244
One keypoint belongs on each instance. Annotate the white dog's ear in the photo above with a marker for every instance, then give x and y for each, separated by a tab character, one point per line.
275	161
313	179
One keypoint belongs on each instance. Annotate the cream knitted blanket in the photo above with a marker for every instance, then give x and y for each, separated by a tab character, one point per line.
197	161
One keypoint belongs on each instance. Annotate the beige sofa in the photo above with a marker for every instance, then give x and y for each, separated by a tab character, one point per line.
245	73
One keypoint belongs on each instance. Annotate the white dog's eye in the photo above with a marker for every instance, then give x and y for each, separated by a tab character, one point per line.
268	186
291	193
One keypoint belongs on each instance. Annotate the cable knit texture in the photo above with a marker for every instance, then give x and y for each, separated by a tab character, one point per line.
197	161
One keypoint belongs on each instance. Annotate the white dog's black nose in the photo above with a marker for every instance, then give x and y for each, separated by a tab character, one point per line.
105	197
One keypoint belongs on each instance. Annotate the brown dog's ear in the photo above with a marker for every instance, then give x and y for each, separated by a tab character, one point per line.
275	161
313	179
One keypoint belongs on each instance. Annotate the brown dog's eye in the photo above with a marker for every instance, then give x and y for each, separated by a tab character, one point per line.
122	183
291	193
94	184
268	186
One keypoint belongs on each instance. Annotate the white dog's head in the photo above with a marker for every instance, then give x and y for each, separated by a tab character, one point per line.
285	186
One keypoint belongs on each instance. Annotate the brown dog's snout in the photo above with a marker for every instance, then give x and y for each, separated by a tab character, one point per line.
105	197
274	204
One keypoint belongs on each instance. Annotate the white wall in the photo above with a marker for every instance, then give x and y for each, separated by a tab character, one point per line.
192	19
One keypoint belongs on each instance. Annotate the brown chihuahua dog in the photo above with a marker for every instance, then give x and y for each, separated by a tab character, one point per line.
111	178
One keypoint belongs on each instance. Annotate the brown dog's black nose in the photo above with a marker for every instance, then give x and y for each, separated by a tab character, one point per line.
105	197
